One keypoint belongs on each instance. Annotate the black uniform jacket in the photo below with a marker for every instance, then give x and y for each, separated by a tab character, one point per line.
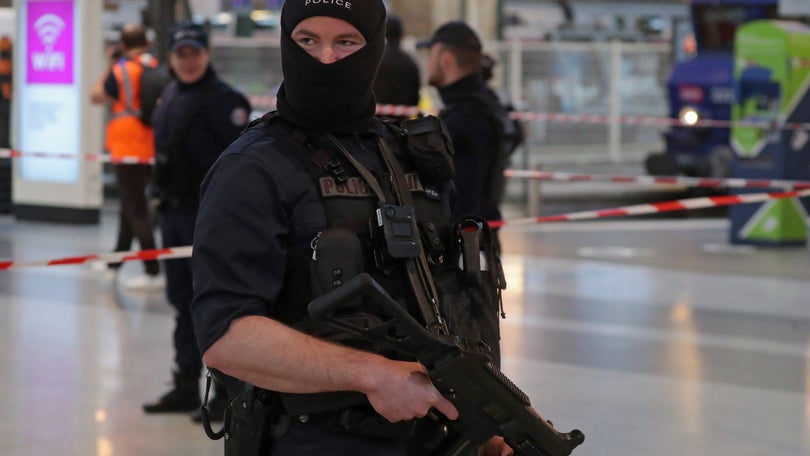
193	124
476	142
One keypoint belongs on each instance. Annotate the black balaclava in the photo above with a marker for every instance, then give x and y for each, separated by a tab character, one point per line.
335	97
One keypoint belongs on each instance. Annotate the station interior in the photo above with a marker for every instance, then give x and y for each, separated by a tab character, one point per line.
635	310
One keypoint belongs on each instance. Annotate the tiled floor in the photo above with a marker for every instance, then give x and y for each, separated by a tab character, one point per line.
653	337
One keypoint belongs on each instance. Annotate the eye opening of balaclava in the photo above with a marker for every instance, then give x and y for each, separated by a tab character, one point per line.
335	97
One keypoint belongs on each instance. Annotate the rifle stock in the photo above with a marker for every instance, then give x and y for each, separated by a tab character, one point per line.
488	402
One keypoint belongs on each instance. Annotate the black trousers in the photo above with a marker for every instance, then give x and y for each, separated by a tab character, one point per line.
177	230
134	218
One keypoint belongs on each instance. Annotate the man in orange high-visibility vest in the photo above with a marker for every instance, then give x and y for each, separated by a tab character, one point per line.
128	138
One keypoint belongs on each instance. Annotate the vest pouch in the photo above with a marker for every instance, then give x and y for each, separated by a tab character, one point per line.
429	144
337	256
456	302
479	273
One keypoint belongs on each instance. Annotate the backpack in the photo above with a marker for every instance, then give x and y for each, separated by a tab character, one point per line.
153	81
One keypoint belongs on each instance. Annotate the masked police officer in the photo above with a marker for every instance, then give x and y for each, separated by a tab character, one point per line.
304	181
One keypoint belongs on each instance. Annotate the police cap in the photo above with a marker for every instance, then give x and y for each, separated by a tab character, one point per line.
454	33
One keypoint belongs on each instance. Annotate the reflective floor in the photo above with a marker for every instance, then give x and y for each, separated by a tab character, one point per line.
654	337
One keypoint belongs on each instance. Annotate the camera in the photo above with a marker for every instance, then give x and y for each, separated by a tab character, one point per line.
399	228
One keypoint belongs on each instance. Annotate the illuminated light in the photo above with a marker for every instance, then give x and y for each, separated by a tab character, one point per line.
104	447
223	18
689	116
101	416
683	354
682	313
262	15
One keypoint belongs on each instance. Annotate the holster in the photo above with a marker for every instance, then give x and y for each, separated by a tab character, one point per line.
249	417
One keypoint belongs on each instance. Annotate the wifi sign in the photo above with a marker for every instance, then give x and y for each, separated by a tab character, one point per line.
50	42
49	27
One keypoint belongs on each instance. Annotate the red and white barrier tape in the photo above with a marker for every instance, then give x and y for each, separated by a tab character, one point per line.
268	101
539	175
398	110
652	208
405	110
12	153
639	209
402	110
697	182
115	257
653	121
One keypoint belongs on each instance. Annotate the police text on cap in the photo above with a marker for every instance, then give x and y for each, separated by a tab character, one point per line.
343	3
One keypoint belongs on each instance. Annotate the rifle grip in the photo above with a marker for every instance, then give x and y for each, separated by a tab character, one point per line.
364	285
335	299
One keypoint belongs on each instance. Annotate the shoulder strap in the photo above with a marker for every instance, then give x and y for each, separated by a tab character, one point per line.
419	275
417	269
129	91
367	176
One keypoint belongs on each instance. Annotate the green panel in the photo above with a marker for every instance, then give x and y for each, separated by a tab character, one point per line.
798	36
783	48
781	220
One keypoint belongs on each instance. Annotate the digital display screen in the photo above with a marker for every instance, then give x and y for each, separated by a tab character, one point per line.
49	104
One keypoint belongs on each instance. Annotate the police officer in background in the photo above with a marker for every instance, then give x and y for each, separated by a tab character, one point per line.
304	180
398	81
454	68
197	117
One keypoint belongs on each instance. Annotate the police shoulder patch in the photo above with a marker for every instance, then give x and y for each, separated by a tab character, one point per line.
239	117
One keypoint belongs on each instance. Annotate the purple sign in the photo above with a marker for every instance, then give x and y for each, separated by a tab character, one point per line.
50	42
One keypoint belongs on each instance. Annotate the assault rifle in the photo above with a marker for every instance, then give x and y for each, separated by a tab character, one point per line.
489	404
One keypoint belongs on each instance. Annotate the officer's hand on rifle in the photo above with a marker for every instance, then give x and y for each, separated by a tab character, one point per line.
403	392
495	447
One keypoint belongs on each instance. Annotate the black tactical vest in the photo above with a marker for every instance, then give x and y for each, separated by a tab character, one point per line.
423	150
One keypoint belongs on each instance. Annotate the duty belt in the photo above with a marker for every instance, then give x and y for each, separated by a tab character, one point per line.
360	421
